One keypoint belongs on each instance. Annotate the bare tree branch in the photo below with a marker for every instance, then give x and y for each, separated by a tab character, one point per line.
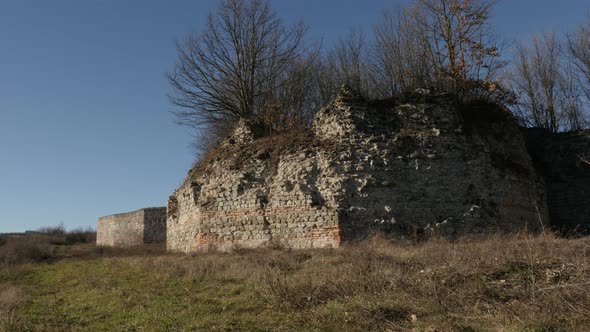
543	77
584	160
239	64
446	44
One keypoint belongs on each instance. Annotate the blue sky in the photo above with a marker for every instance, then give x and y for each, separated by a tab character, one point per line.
85	125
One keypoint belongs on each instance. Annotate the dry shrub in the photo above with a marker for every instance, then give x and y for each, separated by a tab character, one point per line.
357	269
11	298
80	235
53	230
26	249
59	236
11	321
145	250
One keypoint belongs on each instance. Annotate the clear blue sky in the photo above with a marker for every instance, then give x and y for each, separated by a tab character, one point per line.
85	125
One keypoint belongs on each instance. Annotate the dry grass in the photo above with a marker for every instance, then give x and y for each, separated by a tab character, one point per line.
40	247
516	282
11	297
511	282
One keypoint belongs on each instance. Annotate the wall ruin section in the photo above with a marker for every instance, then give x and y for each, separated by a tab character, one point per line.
557	158
406	167
145	226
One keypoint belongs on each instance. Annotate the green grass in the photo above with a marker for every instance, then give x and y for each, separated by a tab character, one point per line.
120	294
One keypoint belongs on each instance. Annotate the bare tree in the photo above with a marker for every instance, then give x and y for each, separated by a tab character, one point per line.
295	103
543	79
348	62
326	82
236	66
536	79
448	45
400	53
573	101
578	46
463	47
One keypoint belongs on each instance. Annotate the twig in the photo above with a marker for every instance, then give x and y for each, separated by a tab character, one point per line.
540	219
583	160
563	286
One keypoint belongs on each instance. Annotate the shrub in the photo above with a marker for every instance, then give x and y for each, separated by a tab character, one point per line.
80	235
25	249
53	230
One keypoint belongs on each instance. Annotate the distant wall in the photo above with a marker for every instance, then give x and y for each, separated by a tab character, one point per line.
132	228
567	179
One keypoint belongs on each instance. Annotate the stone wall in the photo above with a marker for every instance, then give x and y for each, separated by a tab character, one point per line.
567	177
132	228
408	167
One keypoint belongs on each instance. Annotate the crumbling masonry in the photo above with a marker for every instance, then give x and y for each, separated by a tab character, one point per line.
414	167
558	158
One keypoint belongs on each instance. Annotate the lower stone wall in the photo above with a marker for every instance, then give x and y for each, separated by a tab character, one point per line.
132	228
567	177
294	227
254	210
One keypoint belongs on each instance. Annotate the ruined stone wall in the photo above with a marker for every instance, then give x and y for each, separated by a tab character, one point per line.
132	228
425	166
567	178
408	168
248	208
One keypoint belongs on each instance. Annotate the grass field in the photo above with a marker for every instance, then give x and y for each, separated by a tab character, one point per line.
498	283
